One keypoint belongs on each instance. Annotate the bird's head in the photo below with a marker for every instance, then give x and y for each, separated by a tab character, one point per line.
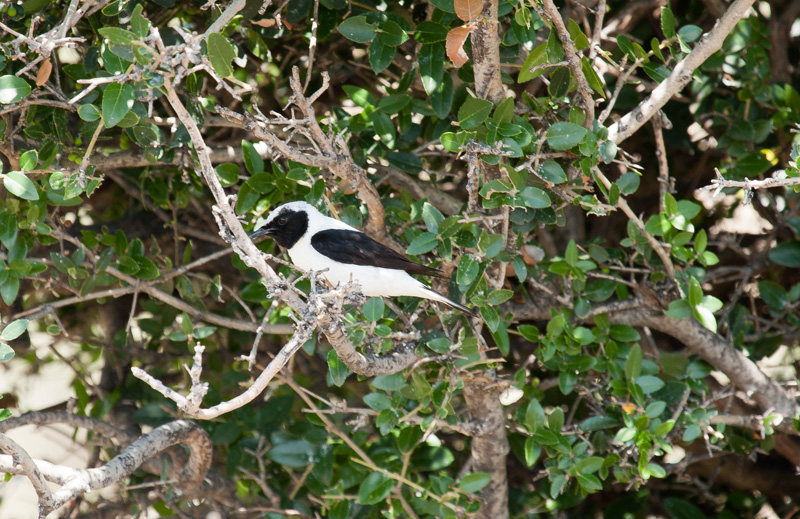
286	224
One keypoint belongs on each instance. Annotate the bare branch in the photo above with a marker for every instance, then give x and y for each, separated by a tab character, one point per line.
77	482
191	403
573	60
708	44
20	458
720	183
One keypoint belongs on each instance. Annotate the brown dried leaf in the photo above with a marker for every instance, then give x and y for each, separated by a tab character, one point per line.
266	22
44	72
455	44
531	254
468	10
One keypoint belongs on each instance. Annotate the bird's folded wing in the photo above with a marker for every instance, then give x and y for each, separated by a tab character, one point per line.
355	247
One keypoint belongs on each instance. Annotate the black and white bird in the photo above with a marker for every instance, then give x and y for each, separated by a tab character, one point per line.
317	242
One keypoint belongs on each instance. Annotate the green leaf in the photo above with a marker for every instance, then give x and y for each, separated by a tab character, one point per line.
13	89
473	112
538	56
649	384
552	171
407	162
690	33
468	269
588	465
9	290
491	317
504	111
6	352
491	244
442	97
430	32
375	488
534	416
578	37
591	76
667	22
555	51
431	66
786	254
389	382
147	269
14	329
392	34
432	217
117	36
358	29
252	160
337	370
654	409
706	318
626	46
423	243
529	331
380	55
373	308
773	294
20	185
117	102
565	135
384	128
534	197
28	160
89	113
695	295
596	423
295	454
589	483
139	24
500	296
220	53
471	483
681	509
679	309
378	401
633	365
228	173
61	262
628	183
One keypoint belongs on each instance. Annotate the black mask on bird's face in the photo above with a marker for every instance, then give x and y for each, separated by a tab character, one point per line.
286	228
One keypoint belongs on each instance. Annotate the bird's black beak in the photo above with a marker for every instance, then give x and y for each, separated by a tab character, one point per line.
263	231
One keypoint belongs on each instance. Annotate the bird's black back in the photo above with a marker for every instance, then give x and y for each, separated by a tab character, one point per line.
356	248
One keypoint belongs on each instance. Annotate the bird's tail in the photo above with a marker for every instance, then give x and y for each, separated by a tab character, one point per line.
436	296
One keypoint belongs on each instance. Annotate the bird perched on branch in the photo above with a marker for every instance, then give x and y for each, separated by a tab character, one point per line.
317	242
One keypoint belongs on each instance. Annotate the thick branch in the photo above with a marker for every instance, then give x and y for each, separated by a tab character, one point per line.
77	482
707	45
486	54
743	372
22	460
573	60
721	354
489	442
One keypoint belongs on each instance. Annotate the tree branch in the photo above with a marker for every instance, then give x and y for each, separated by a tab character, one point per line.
708	44
573	60
77	482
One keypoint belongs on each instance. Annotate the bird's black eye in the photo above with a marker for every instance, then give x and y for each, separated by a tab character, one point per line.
283	220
